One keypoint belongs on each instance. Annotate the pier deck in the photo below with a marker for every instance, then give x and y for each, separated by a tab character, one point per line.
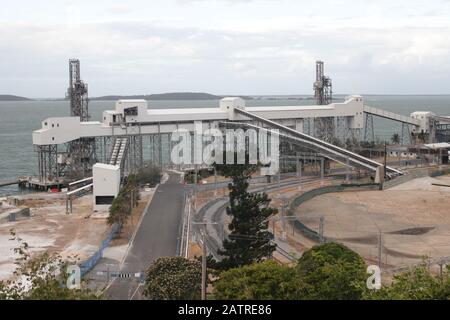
32	183
10	182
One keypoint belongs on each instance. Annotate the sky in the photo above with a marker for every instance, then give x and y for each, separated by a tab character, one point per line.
253	47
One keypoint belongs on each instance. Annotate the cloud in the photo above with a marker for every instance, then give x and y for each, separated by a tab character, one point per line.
258	49
119	8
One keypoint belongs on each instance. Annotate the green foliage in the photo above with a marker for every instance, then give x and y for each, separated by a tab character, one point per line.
395	138
249	241
173	279
149	174
42	277
337	142
123	204
351	144
201	174
331	272
327	272
415	284
261	281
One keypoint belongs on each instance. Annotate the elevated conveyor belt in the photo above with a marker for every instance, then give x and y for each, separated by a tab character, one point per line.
391	116
327	149
442	119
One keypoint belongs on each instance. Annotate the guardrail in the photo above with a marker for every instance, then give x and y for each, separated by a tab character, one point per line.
415	174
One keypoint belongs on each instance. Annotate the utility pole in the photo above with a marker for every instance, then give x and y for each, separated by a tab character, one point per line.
195	186
203	231
204	272
279	181
299	172
385	159
215	182
321	226
284	206
322	170
347	174
380	249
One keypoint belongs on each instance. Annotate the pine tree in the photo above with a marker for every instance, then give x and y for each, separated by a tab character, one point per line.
249	241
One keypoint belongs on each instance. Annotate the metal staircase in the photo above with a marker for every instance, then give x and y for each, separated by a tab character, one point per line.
118	153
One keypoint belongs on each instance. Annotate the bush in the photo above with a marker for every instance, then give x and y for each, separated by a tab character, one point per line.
332	272
261	281
415	284
149	174
41	277
174	279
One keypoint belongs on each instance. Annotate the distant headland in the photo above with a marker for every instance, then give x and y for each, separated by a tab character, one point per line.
158	96
167	96
9	97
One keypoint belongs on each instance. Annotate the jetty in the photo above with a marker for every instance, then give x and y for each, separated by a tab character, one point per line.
32	183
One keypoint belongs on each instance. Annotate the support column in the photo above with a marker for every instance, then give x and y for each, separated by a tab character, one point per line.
160	146
347	175
322	170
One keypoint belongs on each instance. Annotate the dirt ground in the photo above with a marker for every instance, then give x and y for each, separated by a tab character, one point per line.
50	229
413	218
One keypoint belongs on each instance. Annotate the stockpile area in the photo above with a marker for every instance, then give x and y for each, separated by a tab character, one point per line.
413	220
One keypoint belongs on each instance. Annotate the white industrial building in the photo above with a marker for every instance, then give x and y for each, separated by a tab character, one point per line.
315	126
106	185
153	121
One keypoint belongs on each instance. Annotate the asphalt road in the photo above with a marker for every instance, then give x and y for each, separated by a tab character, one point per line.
157	236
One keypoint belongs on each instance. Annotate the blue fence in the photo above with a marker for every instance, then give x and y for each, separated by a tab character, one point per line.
439	173
90	263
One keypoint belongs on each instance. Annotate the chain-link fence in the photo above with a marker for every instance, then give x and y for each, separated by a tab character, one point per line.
90	263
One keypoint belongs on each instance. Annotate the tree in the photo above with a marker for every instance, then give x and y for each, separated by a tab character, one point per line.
149	174
123	204
331	272
260	281
173	278
395	138
42	277
249	240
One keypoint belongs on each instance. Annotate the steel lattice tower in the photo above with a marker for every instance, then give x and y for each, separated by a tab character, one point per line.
323	87
323	92
81	152
77	92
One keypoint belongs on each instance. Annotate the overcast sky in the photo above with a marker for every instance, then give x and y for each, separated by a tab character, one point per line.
225	46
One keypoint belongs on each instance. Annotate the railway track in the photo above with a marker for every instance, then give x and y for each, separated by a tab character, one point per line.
215	212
